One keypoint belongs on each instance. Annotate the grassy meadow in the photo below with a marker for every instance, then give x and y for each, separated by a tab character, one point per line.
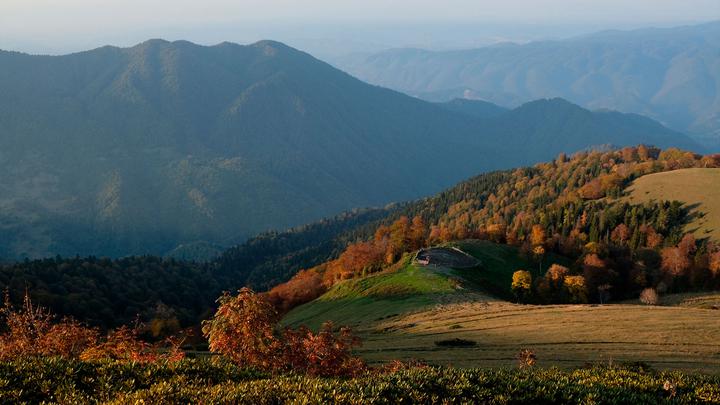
402	315
698	188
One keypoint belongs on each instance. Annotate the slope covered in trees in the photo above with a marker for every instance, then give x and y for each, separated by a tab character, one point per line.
567	207
668	74
570	206
106	150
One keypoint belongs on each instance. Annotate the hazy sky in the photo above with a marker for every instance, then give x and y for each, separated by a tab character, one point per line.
64	25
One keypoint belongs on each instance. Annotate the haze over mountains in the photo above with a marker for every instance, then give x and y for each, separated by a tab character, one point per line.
671	75
137	150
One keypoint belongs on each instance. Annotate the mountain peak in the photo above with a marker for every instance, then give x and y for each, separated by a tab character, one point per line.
555	104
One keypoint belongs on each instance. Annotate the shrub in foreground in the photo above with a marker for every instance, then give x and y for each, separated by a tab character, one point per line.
33	331
244	330
220	382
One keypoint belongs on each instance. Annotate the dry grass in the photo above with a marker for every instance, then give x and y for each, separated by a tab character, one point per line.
561	335
447	304
697	188
703	300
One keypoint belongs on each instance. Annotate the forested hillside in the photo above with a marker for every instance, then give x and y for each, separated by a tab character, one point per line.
569	207
112	292
122	151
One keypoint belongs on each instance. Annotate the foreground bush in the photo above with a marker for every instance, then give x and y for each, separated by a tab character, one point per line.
204	381
33	331
244	329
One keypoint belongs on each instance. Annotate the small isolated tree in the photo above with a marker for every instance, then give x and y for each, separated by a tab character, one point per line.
242	330
526	358
521	284
650	296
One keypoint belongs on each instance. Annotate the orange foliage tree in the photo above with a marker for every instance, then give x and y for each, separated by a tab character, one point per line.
243	330
32	331
674	261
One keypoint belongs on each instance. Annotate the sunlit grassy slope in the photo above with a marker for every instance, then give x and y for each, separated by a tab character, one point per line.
699	189
401	315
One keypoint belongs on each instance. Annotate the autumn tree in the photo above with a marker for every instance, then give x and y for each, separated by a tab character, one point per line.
714	264
324	354
674	261
620	234
653	239
521	285
577	289
418	231
496	232
537	235
687	245
649	296
33	331
304	287
124	344
242	330
399	239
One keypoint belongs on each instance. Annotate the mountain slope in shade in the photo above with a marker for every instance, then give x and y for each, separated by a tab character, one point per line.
131	151
671	75
474	108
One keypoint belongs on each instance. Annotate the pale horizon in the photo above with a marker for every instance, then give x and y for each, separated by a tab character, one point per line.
328	27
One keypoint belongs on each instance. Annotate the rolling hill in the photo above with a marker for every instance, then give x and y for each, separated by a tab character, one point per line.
119	151
698	188
410	313
671	74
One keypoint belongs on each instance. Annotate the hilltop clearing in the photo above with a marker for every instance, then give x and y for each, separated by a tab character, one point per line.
698	188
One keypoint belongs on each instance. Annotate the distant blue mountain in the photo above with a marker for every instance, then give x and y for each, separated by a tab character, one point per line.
671	75
138	150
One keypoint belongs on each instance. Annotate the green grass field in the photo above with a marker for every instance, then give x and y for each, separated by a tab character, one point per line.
401	315
697	188
363	302
499	263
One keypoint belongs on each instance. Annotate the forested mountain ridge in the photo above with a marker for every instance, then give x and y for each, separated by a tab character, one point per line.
120	151
668	74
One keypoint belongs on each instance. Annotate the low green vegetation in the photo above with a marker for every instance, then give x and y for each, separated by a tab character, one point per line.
362	301
202	381
499	262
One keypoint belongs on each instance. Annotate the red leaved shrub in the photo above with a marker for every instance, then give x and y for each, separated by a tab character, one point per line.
243	330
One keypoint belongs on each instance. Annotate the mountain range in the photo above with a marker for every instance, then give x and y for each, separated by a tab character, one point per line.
119	151
670	74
